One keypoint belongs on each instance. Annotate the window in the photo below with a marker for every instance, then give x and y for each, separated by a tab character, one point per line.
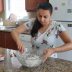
17	7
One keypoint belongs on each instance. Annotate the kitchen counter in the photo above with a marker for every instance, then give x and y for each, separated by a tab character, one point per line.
10	28
51	65
7	28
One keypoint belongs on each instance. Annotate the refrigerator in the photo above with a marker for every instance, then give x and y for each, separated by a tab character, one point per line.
62	12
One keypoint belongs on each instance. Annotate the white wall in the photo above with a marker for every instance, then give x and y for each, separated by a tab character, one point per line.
62	9
68	54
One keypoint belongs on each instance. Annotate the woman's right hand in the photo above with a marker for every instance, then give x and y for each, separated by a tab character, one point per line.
21	46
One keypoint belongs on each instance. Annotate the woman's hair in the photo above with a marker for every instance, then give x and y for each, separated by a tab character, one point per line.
45	6
37	25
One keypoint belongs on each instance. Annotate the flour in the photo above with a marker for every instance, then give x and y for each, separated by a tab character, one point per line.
33	61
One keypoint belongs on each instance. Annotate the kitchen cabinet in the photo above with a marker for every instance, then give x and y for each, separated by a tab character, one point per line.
2	38
6	40
30	5
1	5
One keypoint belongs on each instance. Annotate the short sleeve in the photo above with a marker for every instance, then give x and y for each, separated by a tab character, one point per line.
29	24
60	27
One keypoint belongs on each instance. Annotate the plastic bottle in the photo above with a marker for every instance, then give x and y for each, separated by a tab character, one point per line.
1	22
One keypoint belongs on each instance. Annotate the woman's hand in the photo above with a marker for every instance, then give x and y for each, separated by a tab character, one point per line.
21	46
47	53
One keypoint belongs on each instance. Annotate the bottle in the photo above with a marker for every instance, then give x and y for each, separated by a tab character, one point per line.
1	22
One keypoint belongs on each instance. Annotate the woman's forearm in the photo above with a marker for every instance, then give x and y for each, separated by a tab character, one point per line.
15	33
15	36
65	47
20	44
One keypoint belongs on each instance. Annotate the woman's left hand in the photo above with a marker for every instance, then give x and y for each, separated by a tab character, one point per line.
47	53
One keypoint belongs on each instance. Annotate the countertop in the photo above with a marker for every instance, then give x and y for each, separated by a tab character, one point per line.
51	65
7	28
10	28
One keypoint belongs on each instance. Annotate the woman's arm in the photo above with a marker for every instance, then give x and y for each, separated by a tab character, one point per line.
67	40
15	34
66	47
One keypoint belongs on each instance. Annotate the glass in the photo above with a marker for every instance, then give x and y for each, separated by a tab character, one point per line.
7	62
8	66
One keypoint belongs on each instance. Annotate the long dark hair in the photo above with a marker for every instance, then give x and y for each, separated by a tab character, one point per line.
37	25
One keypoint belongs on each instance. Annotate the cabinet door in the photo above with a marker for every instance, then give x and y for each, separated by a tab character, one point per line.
30	5
2	39
9	42
41	1
6	40
1	5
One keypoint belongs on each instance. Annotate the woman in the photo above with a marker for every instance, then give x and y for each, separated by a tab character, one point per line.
44	33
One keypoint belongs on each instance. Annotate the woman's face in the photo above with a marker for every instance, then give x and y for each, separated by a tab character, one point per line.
44	16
